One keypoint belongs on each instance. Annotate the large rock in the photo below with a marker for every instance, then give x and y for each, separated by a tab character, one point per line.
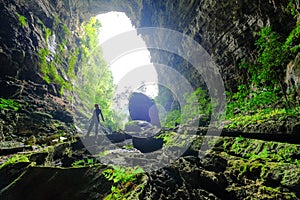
141	107
56	183
148	144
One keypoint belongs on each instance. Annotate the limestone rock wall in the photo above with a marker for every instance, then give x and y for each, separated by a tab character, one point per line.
226	29
27	27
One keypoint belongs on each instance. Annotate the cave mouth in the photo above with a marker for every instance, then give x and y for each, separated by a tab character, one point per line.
115	23
133	70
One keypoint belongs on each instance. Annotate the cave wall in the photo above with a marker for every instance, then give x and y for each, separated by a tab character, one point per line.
227	31
43	113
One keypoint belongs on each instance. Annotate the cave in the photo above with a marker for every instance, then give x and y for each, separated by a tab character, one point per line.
48	71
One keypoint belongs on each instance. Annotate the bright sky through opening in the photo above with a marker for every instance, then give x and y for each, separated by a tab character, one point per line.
115	23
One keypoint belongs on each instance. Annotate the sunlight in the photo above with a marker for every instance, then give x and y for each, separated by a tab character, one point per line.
115	23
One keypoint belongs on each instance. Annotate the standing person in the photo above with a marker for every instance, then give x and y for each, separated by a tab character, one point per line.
95	120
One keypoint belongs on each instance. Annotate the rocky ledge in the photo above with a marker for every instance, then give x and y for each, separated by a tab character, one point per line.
210	168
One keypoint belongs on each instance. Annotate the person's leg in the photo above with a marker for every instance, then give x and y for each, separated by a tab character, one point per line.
96	129
101	129
90	128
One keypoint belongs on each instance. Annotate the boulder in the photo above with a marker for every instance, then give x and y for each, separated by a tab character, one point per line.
141	107
137	126
147	144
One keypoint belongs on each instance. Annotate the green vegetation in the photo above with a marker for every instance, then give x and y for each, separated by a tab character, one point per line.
15	159
264	95
9	104
95	83
49	63
263	163
125	180
263	115
198	103
104	153
48	31
48	67
291	6
172	139
261	150
83	163
22	20
172	118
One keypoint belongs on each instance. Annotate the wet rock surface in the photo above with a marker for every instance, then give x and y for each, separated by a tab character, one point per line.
41	117
227	168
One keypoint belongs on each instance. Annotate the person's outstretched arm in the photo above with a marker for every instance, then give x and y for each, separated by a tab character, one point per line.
102	116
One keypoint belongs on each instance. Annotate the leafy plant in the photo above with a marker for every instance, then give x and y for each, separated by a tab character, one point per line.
22	20
122	174
83	162
262	115
9	104
265	87
291	7
172	118
272	57
48	33
124	179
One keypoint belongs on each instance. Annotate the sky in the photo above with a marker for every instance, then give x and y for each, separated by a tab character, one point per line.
116	23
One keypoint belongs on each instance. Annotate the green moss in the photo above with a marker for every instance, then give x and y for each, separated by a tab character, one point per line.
66	30
9	104
268	192
15	159
104	153
175	139
48	33
167	136
49	70
22	20
56	20
262	115
291	6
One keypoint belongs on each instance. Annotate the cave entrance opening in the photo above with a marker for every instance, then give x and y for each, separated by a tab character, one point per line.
133	68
